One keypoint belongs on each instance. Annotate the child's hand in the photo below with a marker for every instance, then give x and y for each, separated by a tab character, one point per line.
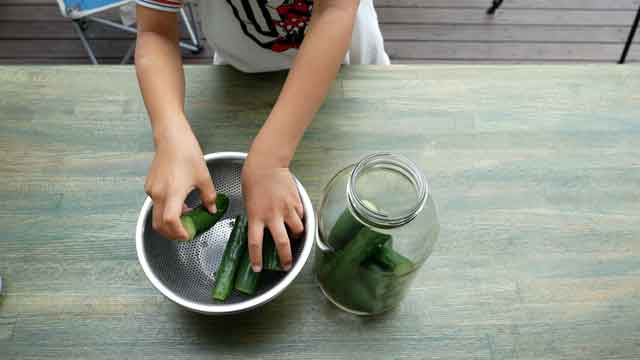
271	199
177	168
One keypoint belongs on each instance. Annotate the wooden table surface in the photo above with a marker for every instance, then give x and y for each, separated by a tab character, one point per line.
535	170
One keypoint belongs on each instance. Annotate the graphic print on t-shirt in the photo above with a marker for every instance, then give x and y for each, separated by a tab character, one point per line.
277	25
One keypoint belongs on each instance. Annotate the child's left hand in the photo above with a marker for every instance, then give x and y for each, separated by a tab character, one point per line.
272	201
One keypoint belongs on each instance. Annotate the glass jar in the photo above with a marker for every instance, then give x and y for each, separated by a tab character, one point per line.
377	225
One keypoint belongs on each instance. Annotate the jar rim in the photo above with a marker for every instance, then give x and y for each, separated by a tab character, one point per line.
372	216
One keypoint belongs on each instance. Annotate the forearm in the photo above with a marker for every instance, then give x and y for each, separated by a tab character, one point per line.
314	69
161	78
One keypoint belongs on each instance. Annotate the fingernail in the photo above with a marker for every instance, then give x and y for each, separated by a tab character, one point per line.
287	267
213	209
256	268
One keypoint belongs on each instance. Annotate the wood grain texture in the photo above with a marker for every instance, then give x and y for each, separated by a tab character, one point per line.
535	171
415	31
511	4
421	15
472	50
504	33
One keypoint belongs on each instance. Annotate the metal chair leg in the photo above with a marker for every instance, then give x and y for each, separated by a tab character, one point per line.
495	4
187	25
133	30
194	22
85	43
129	54
112	24
632	33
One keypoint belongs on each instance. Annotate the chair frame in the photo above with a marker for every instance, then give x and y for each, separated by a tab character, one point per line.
632	33
80	20
495	4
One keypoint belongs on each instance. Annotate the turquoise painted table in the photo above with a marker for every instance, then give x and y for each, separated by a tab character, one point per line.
536	171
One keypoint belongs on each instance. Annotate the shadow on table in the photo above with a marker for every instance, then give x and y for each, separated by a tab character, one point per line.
293	314
248	328
332	313
227	114
272	323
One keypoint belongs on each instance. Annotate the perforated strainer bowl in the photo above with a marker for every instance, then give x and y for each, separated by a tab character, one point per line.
185	271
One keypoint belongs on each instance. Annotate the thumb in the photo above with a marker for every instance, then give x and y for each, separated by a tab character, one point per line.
208	194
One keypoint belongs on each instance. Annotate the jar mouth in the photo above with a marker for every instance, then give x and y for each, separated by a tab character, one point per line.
408	199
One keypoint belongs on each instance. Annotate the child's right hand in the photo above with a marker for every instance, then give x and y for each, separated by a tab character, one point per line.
177	168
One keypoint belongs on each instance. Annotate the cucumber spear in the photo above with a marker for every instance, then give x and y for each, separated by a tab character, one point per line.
233	251
246	280
200	219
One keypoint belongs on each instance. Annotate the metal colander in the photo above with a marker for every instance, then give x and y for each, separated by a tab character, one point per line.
185	271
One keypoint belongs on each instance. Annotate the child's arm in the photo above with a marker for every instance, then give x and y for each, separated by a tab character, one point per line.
270	194
178	165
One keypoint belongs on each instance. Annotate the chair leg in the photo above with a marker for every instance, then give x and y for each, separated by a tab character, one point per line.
194	22
85	43
129	29
129	54
112	24
632	33
495	4
192	34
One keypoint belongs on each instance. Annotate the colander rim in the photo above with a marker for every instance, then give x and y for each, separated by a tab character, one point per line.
219	309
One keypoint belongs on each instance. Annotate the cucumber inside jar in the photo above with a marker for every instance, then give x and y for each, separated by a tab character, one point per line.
366	275
377	227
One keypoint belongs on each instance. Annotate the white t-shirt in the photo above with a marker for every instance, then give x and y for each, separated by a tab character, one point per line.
264	35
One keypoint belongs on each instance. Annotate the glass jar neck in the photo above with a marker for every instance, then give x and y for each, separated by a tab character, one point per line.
367	211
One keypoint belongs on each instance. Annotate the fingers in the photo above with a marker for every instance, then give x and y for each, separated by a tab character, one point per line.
283	246
299	209
208	193
157	216
166	216
256	232
171	225
294	223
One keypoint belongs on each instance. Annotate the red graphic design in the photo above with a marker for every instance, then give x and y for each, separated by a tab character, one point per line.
277	25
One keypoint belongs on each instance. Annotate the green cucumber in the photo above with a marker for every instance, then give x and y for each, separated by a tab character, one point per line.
344	263
270	259
375	277
360	248
377	283
346	227
233	251
357	297
200	219
362	271
367	289
391	260
384	287
246	280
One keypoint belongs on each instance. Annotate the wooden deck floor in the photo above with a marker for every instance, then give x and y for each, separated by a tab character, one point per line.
416	31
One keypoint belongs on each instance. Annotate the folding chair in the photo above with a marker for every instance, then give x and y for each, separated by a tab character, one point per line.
495	4
80	12
632	33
